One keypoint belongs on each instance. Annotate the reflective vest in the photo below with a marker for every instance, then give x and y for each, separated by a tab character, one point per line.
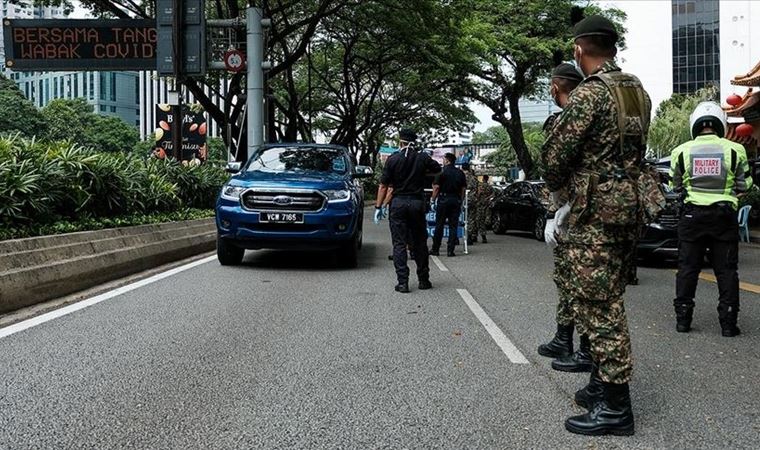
709	170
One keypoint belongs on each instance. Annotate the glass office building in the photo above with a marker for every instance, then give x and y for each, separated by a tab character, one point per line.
696	44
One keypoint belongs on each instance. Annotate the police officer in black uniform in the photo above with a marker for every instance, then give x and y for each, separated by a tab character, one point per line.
448	190
406	171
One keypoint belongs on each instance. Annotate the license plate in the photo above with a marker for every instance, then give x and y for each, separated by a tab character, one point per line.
277	217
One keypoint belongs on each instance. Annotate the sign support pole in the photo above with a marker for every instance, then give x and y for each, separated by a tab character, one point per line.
255	78
178	59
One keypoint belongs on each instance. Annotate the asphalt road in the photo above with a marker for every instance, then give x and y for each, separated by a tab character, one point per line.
287	351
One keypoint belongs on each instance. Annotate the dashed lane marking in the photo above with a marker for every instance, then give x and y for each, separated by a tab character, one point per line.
509	349
438	263
26	324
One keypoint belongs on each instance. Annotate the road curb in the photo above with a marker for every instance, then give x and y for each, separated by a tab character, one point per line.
35	270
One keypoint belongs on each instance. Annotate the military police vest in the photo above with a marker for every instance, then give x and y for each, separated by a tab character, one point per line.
709	170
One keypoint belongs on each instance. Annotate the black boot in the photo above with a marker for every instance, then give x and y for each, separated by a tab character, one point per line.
561	345
684	314
612	415
472	240
728	318
483	239
402	288
579	361
592	393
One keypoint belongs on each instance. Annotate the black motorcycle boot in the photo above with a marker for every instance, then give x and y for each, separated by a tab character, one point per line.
580	361
683	318
561	345
728	318
612	415
592	393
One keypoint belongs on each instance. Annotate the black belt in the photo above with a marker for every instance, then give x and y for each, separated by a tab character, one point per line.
415	196
444	194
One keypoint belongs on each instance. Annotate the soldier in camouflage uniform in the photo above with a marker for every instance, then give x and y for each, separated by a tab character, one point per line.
483	198
565	78
594	151
472	204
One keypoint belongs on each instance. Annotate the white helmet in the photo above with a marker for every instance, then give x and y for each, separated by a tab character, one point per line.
708	114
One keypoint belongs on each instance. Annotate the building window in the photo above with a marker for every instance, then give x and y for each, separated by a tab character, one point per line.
91	92
103	86
696	49
113	109
113	86
102	108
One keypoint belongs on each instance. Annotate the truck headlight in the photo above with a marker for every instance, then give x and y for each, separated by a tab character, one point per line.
339	195
232	193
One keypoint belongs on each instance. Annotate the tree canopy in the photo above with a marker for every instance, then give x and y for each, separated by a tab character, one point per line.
514	44
670	126
17	114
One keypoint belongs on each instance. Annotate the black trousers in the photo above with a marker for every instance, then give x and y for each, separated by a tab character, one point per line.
408	225
716	228
448	210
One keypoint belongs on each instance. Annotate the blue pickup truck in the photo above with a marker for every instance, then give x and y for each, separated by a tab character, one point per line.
292	196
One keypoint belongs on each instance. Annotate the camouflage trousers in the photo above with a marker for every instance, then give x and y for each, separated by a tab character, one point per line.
477	216
565	313
597	276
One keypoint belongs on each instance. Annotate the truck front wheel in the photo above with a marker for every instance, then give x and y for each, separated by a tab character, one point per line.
228	253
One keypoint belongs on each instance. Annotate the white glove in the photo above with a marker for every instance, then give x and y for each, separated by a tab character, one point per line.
550	233
560	218
556	198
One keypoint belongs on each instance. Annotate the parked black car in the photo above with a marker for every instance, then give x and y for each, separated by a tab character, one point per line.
660	237
521	206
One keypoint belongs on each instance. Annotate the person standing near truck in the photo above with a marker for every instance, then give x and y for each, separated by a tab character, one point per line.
406	170
448	193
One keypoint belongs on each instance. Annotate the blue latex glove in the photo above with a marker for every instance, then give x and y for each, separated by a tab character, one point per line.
378	215
386	209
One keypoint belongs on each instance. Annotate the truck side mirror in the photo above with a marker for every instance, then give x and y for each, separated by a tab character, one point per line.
233	167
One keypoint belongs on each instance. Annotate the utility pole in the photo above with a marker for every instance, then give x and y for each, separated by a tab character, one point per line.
177	44
255	24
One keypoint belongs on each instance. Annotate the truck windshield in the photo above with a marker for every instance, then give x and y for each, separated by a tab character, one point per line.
299	159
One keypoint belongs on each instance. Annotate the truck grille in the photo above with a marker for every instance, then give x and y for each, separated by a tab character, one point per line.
306	201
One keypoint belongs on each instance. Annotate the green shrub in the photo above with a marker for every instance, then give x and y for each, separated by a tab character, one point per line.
47	182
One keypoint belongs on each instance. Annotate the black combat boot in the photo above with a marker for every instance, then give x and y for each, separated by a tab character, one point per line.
580	361
472	240
402	288
483	239
592	393
728	317
684	314
611	415
561	345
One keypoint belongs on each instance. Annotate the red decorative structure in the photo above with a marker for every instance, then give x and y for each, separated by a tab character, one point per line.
744	112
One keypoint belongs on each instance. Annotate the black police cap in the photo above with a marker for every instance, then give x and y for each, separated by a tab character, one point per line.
407	135
568	72
595	26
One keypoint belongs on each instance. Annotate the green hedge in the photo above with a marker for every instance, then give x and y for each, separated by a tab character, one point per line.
99	223
45	183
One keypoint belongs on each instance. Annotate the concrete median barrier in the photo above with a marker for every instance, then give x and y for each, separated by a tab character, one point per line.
34	270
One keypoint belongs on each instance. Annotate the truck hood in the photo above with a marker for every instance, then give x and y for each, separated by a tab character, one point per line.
293	180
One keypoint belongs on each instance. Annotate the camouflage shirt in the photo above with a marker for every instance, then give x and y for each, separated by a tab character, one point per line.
586	138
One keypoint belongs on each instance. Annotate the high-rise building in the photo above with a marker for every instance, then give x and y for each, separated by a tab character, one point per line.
696	44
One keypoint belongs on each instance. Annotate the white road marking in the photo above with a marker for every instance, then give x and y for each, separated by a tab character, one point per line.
34	321
438	263
501	339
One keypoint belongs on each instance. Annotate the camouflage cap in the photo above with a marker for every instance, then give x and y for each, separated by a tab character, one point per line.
595	26
568	72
